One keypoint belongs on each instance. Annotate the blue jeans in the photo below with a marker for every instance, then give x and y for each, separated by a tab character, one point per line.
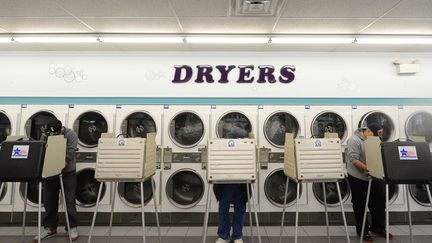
231	193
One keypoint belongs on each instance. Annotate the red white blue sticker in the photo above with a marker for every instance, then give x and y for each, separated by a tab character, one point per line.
407	152
20	151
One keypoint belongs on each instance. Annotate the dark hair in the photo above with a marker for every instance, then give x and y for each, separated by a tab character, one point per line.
54	126
375	127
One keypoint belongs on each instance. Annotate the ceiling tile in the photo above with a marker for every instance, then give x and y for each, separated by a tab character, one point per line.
200	8
400	26
116	8
227	25
30	8
320	26
337	8
43	25
133	25
412	9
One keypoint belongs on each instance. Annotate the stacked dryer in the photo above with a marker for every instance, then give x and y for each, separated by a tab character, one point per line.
273	123
186	132
417	121
137	121
9	120
89	122
320	120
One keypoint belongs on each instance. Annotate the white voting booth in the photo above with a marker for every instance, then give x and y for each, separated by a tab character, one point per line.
23	160
313	160
231	161
398	162
122	159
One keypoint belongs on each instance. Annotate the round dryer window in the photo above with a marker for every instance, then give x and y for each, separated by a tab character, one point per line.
5	127
331	192
186	129
234	125
274	189
3	192
329	122
89	126
130	193
393	193
88	188
185	188
419	194
32	192
37	124
382	119
138	124
277	125
419	124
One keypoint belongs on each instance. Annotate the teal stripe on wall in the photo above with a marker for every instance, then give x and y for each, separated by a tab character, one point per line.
236	101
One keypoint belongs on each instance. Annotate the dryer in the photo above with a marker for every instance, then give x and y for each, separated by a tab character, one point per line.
186	132
273	123
386	116
89	122
316	197
137	121
9	122
419	200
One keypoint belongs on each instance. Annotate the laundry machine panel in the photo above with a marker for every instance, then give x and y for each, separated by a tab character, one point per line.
32	196
416	121
316	196
34	118
334	119
226	118
386	116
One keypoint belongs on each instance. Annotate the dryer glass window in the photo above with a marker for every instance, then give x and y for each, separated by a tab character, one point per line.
234	125
331	192
274	189
419	193
277	125
185	189
87	188
32	192
89	127
138	124
380	118
3	192
5	127
329	122
419	124
38	124
130	193
186	129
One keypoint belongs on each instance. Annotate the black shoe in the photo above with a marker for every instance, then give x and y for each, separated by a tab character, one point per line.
381	232
367	237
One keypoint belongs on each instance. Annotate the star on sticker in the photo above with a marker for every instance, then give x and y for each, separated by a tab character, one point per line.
17	151
404	152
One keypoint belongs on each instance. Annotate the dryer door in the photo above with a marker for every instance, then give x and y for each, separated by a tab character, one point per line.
89	126
138	124
233	125
130	193
37	124
331	192
186	129
87	188
382	119
5	127
3	192
419	194
277	125
274	189
329	122
419	124
32	192
185	188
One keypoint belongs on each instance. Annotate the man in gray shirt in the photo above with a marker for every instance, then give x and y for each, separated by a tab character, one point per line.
52	185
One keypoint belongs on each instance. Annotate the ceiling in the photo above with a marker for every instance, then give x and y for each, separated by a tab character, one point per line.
189	17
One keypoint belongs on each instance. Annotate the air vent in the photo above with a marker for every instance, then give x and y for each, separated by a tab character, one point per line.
255	8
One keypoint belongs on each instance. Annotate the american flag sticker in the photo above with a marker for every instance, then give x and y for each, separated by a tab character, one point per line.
20	151
407	152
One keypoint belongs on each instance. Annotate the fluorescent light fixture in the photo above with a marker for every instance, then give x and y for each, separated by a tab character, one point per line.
227	40
141	39
55	39
395	40
5	40
312	40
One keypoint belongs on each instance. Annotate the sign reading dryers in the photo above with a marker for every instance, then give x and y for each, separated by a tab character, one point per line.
407	152
20	151
233	73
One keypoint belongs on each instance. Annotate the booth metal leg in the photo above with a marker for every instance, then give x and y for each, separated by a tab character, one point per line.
409	213
365	210
65	207
387	211
94	214
297	213
326	212
343	212
256	213
429	194
142	211
156	210
250	214
39	211
24	213
206	216
112	211
283	209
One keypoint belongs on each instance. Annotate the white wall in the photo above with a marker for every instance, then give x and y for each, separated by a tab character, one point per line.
149	74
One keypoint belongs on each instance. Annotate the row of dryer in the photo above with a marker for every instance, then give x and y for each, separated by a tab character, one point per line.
182	132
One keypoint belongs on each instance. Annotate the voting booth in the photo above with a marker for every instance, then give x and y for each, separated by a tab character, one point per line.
232	161
123	159
23	160
398	162
308	160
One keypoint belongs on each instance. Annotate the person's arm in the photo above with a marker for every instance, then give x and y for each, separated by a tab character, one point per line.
354	150
360	165
71	144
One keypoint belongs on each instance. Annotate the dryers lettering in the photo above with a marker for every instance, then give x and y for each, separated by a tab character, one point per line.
205	74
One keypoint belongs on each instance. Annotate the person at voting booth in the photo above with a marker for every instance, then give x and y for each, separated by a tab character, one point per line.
52	185
358	181
235	194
